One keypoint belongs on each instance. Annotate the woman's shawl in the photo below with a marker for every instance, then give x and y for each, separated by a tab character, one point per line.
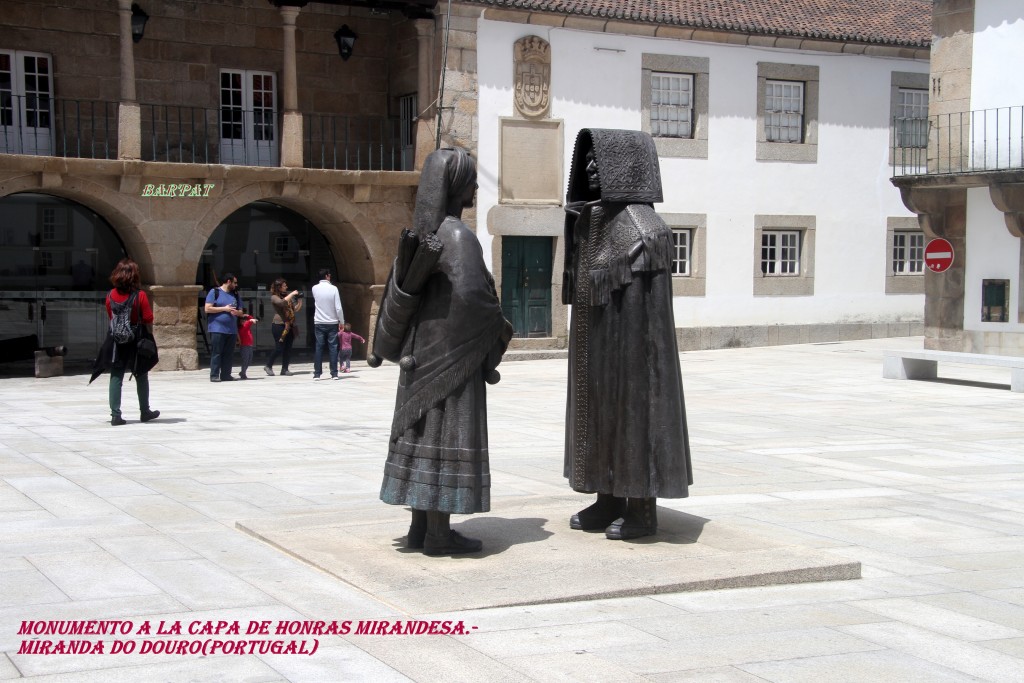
457	324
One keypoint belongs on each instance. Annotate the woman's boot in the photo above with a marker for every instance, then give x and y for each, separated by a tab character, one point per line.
641	519
598	516
441	539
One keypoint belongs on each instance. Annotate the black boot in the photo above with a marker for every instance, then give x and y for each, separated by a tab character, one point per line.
441	539
598	516
641	519
417	530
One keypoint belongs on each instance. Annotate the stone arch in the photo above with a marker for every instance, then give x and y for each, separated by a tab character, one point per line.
352	235
122	215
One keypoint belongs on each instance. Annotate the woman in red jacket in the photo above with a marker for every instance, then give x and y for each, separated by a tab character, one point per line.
120	357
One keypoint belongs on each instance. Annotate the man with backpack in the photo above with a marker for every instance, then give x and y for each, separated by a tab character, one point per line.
223	309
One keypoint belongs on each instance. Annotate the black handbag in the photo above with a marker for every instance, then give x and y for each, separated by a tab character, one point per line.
145	348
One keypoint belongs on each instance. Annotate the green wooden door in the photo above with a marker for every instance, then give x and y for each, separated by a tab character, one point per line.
526	284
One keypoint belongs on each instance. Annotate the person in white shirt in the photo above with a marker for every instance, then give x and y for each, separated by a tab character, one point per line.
327	320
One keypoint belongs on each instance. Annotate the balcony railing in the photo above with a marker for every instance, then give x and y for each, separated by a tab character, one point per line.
198	135
354	143
966	142
30	124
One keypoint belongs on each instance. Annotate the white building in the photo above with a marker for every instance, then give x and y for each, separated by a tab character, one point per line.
776	156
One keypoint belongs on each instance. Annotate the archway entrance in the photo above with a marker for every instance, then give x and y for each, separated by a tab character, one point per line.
258	243
55	258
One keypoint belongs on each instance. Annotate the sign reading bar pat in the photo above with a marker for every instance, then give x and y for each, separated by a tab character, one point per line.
178	190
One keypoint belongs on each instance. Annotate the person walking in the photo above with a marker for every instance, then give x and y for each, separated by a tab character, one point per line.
327	322
127	302
284	327
345	338
223	308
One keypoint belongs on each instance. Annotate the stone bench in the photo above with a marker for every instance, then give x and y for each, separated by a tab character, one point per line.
923	364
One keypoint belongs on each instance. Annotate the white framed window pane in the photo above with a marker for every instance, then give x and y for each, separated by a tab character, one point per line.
911	118
784	111
682	240
908	252
231	111
671	105
780	252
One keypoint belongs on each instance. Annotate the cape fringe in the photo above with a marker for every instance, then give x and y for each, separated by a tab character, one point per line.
655	254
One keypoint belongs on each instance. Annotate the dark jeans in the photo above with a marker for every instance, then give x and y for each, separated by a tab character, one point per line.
282	349
222	354
117	380
325	335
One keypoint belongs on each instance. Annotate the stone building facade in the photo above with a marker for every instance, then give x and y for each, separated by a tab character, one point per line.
108	132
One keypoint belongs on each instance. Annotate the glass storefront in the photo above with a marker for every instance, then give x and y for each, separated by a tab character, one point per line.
259	243
55	260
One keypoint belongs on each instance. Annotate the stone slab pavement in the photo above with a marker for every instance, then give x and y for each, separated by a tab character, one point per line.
804	446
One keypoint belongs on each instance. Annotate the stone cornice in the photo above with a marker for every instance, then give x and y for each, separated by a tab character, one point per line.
59	166
618	26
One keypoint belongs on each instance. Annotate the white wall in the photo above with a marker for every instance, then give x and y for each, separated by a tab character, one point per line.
996	87
848	189
992	254
998	54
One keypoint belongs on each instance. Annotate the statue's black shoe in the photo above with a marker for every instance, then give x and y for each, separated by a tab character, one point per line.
598	516
641	519
452	544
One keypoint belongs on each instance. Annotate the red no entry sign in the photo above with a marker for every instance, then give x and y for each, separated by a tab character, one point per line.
938	255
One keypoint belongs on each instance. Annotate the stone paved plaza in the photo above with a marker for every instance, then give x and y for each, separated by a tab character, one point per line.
793	446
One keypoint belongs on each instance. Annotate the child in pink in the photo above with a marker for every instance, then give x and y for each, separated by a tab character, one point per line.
345	337
245	340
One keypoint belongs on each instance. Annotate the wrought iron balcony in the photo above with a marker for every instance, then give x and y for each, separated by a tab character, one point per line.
40	125
354	142
967	142
88	129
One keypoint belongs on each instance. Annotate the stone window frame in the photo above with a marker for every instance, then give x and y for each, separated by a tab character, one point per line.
696	146
786	285
694	284
902	283
798	152
904	80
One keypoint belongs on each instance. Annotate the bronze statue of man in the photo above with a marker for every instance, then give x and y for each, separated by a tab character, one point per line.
625	438
441	319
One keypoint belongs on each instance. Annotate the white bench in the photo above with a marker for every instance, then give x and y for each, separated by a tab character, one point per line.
923	364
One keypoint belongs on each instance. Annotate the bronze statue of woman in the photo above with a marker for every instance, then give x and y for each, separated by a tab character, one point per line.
452	335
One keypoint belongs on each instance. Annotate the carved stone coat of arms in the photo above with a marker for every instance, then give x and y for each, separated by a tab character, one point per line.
532	76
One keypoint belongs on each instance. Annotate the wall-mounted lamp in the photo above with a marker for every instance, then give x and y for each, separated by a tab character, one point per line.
346	40
139	19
